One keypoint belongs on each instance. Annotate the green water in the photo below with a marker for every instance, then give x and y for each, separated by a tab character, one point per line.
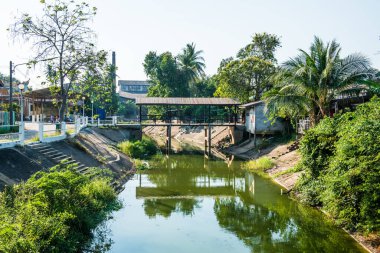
188	204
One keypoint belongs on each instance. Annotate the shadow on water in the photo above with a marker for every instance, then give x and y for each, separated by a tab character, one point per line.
243	204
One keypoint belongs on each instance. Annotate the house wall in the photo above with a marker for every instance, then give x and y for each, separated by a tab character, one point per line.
255	116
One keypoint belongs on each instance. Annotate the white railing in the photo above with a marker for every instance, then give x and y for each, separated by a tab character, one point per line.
9	138
50	132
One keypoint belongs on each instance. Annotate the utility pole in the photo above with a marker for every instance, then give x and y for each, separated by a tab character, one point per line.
10	93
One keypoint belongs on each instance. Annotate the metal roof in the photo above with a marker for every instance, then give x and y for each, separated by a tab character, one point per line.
134	82
186	101
132	96
251	104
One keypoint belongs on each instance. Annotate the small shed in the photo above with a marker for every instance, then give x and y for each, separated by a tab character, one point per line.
256	122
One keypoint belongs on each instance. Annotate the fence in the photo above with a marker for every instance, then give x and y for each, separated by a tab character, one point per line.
12	135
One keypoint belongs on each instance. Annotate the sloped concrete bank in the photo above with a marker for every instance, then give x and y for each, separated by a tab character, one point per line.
187	139
93	147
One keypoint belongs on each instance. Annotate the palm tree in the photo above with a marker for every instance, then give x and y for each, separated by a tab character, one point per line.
191	62
309	82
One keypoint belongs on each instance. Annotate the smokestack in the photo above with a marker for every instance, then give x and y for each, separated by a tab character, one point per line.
114	67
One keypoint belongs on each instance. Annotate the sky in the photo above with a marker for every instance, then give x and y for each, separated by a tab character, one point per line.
218	27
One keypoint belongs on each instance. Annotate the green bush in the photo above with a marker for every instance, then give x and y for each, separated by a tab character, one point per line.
55	211
139	149
141	165
261	164
341	158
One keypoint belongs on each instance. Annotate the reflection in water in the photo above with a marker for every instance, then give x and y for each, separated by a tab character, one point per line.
209	206
165	207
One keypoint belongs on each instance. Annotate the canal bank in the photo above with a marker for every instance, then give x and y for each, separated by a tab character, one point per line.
93	147
285	157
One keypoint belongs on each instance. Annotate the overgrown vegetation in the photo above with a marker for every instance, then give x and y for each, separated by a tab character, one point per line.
260	165
141	165
139	149
341	158
55	211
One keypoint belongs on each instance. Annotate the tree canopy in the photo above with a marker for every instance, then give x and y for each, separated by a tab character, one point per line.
63	41
249	75
175	76
308	83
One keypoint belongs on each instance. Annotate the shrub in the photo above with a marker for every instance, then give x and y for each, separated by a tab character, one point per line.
342	167
139	149
261	164
54	211
141	165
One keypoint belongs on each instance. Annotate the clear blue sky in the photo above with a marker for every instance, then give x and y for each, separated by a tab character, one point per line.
218	27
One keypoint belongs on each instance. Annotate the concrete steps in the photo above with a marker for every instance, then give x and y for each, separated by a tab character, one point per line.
57	156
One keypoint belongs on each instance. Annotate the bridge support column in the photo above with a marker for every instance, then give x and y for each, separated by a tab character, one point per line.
168	139
208	141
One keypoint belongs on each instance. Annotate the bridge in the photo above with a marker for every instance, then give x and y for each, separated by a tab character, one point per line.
180	111
152	111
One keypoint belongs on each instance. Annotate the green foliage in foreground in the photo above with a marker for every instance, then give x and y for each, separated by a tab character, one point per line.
55	211
261	164
341	158
138	149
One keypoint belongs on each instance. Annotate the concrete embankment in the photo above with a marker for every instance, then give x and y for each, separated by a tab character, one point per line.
285	157
192	138
93	147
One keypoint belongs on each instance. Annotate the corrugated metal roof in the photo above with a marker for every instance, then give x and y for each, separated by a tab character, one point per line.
129	95
134	82
185	101
251	104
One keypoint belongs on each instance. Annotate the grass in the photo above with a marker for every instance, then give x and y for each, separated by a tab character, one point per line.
262	164
141	165
70	132
139	149
35	139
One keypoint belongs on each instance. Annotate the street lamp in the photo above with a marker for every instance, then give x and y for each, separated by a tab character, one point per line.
92	111
21	87
83	98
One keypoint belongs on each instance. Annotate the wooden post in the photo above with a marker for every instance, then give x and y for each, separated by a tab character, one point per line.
209	140
207	150
205	129
168	139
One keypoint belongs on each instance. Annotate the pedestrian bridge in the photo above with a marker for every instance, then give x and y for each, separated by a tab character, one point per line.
152	111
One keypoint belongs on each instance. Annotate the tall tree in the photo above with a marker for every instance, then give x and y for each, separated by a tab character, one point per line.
249	75
164	72
98	84
312	79
191	62
62	39
263	45
245	79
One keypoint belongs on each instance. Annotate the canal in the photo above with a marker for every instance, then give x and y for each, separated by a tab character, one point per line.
189	204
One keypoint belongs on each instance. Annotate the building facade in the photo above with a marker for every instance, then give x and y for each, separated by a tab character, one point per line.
256	122
132	89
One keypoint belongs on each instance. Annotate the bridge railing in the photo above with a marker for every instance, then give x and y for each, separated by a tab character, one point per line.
153	119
